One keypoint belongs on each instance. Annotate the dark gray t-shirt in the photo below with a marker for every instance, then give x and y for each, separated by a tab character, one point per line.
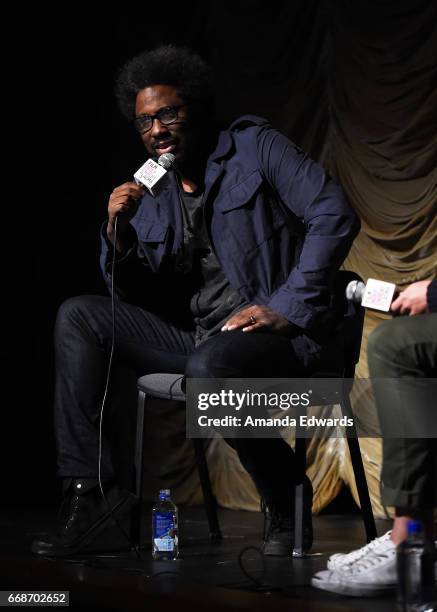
214	300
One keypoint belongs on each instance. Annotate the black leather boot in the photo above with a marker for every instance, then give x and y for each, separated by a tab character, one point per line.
84	514
279	524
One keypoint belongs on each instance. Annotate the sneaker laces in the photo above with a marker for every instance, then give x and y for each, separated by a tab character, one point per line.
371	560
357	554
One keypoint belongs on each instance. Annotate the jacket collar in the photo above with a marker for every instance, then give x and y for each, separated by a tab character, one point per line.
225	142
223	147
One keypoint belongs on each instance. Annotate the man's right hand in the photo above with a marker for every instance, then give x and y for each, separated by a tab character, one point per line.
412	300
123	204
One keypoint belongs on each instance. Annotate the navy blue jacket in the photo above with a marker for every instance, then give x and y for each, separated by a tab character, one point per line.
280	228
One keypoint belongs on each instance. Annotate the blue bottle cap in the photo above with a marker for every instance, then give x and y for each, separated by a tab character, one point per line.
414	527
164	494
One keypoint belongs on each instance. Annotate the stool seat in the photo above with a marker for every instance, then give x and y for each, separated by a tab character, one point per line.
163	386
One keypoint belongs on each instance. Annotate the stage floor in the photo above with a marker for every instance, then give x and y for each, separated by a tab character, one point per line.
207	576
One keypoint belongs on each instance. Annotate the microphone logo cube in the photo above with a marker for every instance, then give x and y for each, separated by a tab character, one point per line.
378	295
149	174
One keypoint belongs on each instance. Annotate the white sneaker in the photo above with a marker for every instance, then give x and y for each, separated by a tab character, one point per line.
373	574
339	559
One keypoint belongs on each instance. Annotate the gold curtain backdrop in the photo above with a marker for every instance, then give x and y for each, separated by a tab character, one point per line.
355	85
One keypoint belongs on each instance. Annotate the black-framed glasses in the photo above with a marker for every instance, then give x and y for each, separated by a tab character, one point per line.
166	116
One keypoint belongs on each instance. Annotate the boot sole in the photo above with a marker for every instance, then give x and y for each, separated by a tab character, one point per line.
281	550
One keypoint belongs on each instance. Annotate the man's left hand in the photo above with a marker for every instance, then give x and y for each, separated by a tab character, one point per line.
257	317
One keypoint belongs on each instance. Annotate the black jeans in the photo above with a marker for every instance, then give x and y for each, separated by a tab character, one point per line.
147	344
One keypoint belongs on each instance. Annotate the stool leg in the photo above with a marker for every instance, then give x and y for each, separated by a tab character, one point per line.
209	499
363	491
360	476
300	453
139	468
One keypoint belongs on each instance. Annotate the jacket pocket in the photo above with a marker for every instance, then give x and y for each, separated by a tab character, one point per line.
243	192
247	213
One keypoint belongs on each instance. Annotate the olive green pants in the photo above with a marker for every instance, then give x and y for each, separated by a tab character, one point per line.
402	354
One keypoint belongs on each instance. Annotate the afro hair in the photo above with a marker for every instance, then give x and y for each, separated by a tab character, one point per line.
165	65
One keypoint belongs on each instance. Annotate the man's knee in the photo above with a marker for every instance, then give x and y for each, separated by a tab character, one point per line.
200	365
402	342
387	339
75	311
380	335
211	361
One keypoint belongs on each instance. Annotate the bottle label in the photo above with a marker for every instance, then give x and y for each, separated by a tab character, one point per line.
164	533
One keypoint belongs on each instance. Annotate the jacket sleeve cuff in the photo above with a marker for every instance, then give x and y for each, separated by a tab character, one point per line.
297	313
431	296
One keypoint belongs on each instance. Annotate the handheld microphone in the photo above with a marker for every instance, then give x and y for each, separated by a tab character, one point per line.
375	294
151	173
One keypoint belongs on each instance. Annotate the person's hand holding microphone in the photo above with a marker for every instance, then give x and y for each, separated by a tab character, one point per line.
123	205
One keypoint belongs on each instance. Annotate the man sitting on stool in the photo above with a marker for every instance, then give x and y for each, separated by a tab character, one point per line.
228	272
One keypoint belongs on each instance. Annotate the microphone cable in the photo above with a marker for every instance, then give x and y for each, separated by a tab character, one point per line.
105	394
167	161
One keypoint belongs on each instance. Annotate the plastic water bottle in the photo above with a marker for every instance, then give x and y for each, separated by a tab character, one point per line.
165	527
416	591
